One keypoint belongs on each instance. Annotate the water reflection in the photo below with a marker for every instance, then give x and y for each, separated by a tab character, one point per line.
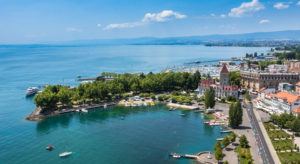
47	124
94	115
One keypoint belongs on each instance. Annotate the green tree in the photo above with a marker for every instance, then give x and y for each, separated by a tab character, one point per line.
239	110
231	98
219	154
46	100
247	96
244	142
225	141
296	125
196	79
235	78
235	114
217	145
288	124
209	98
64	95
232	137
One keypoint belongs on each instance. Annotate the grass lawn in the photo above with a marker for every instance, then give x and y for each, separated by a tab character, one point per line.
289	157
284	144
244	155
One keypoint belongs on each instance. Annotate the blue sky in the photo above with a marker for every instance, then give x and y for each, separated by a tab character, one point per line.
35	21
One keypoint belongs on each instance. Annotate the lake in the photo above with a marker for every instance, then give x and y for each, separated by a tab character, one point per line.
146	135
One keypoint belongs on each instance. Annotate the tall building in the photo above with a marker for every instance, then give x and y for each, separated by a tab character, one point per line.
222	90
293	66
224	76
254	81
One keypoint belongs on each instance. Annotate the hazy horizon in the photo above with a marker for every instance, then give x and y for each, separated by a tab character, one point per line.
30	21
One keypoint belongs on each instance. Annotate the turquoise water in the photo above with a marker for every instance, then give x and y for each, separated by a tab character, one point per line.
146	135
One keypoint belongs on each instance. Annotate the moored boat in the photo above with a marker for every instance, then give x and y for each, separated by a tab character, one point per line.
84	110
50	147
31	91
65	154
176	156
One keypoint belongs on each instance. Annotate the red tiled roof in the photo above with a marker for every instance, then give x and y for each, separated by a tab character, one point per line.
230	87
291	98
207	82
224	69
297	110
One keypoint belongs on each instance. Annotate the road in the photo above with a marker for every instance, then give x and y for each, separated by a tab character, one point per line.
260	140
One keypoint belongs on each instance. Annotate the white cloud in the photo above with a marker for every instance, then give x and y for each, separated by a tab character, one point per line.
99	25
298	3
264	21
281	5
223	16
162	16
246	7
165	15
124	25
73	29
212	14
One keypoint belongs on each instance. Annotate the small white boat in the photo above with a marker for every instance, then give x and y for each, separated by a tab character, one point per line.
31	91
65	154
176	156
84	110
105	106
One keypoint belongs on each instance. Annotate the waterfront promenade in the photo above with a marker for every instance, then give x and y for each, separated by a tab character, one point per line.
244	129
267	150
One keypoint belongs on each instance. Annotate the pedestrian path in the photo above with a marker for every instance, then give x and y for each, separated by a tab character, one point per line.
267	139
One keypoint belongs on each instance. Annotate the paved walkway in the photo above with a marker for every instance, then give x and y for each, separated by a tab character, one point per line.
247	131
266	137
230	155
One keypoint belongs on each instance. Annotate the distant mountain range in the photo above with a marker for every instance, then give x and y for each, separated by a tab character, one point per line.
292	36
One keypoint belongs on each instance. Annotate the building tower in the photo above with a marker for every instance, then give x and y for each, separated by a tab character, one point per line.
224	76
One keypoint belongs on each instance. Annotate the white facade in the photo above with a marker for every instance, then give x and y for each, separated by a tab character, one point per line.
274	104
278	68
219	92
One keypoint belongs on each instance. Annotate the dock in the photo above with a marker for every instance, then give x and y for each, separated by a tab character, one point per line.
95	78
219	139
202	157
226	131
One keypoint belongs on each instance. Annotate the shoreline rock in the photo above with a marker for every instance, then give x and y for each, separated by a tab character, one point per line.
36	115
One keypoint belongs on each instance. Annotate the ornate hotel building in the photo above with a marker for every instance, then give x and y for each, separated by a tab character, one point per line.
254	81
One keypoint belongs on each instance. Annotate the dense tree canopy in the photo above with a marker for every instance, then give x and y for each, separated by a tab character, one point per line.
283	120
234	78
119	84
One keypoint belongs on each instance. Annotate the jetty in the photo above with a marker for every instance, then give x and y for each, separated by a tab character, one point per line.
175	105
226	131
203	61
95	78
202	157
